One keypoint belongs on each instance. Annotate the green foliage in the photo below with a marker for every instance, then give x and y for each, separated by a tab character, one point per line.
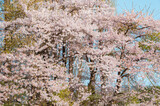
13	11
144	47
45	103
92	98
157	102
154	37
11	42
137	97
65	95
134	99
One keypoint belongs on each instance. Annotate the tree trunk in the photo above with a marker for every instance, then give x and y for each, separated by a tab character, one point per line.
91	84
119	80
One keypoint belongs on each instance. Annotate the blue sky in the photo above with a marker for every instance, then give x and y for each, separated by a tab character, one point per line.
138	5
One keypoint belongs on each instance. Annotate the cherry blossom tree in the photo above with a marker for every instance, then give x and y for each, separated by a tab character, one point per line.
72	33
